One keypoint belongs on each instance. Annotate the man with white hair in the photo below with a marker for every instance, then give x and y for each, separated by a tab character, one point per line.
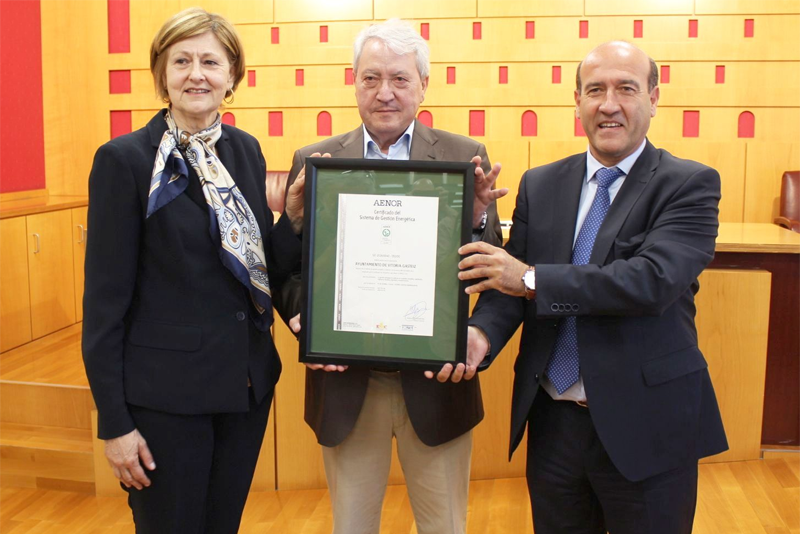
355	412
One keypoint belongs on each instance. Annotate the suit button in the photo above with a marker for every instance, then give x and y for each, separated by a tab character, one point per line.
554	307
240	316
576	307
562	308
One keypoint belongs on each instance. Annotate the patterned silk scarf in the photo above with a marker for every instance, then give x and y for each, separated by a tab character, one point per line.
242	249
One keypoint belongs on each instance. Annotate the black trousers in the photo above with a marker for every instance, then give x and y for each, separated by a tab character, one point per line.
204	467
575	488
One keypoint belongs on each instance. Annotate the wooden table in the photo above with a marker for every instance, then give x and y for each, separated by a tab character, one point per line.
768	247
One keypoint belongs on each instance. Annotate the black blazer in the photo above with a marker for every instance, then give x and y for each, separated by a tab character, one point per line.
648	388
438	412
166	325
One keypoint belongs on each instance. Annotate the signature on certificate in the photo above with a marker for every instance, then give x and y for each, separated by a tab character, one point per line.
417	310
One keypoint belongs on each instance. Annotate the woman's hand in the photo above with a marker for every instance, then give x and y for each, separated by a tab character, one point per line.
295	196
125	455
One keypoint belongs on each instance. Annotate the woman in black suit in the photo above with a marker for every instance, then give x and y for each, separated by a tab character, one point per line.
180	268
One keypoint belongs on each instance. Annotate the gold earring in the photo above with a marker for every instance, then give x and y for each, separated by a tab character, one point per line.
229	102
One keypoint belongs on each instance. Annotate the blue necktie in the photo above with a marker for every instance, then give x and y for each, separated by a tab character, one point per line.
564	368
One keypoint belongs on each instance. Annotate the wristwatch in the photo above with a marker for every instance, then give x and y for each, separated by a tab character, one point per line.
482	225
529	280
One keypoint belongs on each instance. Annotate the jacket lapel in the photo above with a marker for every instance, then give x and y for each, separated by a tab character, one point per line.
641	173
351	145
565	208
423	144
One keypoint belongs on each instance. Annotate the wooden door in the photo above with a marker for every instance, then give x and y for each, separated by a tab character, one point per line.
79	232
15	302
52	278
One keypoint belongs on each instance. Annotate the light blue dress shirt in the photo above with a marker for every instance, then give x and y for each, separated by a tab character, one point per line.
576	392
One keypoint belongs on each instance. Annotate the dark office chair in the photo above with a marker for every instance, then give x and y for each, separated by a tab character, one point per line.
276	189
790	201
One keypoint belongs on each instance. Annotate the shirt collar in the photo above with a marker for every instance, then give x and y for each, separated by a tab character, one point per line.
403	142
592	165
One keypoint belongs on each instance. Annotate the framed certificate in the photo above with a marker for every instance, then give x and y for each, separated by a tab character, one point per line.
380	262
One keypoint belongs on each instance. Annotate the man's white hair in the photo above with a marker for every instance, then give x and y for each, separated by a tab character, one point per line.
400	37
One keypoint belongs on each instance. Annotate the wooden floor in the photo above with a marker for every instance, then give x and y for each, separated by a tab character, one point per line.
751	497
55	359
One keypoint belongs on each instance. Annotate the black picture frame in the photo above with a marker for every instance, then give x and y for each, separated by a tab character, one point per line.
327	178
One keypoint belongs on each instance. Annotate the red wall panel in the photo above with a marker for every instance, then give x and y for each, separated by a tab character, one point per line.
22	127
119	26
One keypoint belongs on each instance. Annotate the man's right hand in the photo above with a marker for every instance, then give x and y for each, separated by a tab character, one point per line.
294	324
295	196
125	455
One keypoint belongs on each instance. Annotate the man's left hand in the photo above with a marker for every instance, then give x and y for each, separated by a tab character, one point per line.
484	192
500	269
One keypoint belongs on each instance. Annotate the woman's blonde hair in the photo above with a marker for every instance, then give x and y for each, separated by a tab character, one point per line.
186	24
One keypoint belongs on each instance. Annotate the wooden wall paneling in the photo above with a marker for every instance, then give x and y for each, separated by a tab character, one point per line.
139	119
299	43
513	155
279	151
324	86
299	458
75	89
142	95
238	11
639	7
747	7
15	302
732	324
312	10
720	38
52	283
422	9
264	476
504	40
490	437
780	125
529	85
721	124
766	163
529	8
79	233
453	119
146	19
58	465
693	84
544	150
558	123
728	158
45	404
299	130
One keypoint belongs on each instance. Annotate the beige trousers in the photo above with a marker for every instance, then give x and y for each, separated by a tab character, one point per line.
357	470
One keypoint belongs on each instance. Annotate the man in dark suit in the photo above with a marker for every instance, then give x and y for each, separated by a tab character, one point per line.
601	270
355	412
